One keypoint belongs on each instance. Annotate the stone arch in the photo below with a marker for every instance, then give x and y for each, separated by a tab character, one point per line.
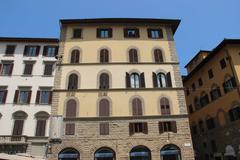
66	153
41	115
170	150
105	152
19	115
140	151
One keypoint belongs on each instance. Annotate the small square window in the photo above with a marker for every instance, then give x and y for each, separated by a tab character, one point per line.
104	33
77	33
131	33
223	63
210	73
6	69
31	51
10	49
200	82
50	51
155	33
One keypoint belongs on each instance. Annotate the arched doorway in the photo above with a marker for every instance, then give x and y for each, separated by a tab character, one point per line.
170	152
140	153
69	154
104	154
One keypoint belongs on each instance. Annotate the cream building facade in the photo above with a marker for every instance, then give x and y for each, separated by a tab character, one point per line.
118	92
27	68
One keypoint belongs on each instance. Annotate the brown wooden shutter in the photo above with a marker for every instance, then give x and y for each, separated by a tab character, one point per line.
37	50
142	80
77	57
71	108
41	126
160	33
160	126
37	97
137	33
0	68
110	32
5	96
29	96
101	56
50	97
131	129
137	107
70	129
149	33
125	32
128	83
18	127
169	81
154	77
25	50
56	50
131	56
104	108
98	33
174	126
145	128
45	50
15	100
11	69
135	56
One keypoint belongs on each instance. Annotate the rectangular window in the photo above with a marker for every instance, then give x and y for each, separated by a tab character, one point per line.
210	123
223	63
10	49
200	82
70	129
48	69
22	96
155	33
40	129
229	85
31	51
6	68
104	33
210	73
167	126
3	95
77	33
50	51
28	68
44	96
204	100
18	127
104	128
215	94
140	127
131	33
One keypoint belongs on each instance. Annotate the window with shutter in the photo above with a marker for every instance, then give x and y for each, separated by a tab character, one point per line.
167	126
75	56
40	129
215	93
137	107
6	68
229	84
104	108
70	129
104	81
28	69
43	96
73	82
71	108
158	56
10	49
133	56
23	96
131	33
104	33
104	56
3	96
128	83
50	51
104	128
31	51
48	69
142	80
165	107
138	127
169	80
18	127
155	33
77	33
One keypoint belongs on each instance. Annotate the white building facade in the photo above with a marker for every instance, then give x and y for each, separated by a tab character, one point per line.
27	68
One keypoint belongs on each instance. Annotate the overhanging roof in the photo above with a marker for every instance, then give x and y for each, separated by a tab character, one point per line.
26	39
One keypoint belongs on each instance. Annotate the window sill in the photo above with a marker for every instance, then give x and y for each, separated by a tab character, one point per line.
77	38
21	104
43	104
8	55
5	75
27	75
47	75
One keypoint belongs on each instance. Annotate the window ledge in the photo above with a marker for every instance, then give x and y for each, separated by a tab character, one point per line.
8	55
47	75
27	75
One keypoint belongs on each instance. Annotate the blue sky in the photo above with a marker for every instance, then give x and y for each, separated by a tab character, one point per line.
204	24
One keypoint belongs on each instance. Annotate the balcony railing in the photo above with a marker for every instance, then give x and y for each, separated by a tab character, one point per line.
13	139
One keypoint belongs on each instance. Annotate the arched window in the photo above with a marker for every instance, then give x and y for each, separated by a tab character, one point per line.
161	80
104	81
137	107
158	57
73	82
165	107
69	153
204	100
104	108
71	108
41	123
133	56
104	56
75	56
104	154
135	80
19	118
215	92
170	152
140	153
